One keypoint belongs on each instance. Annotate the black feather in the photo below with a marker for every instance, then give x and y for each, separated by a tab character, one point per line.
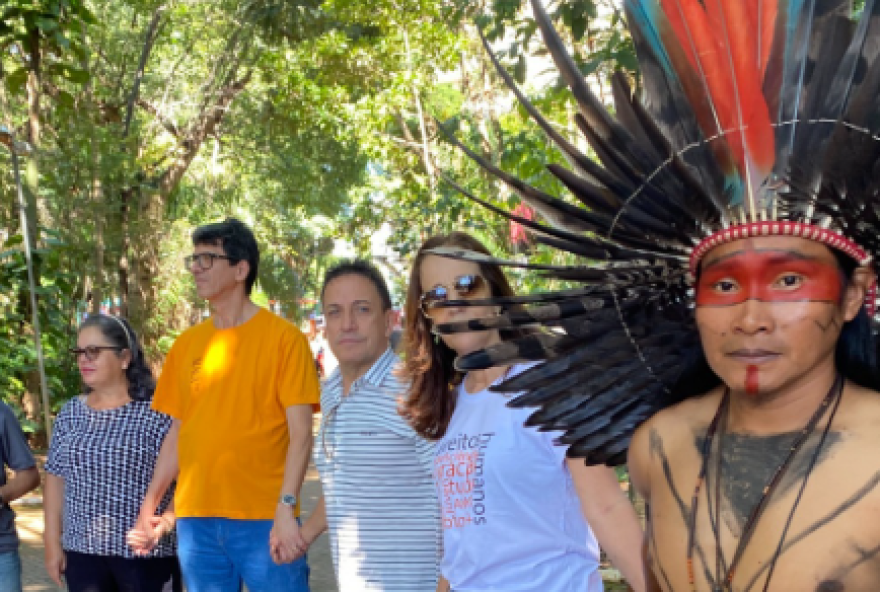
618	348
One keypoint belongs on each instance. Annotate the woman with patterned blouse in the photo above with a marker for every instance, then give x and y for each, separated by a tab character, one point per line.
101	458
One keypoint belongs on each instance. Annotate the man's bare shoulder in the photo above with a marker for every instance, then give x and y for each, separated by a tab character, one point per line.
670	431
859	414
684	417
864	399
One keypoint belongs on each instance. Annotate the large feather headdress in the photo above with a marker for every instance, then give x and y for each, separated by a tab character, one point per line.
758	117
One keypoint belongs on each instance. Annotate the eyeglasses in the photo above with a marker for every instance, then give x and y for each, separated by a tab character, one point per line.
464	285
92	351
205	261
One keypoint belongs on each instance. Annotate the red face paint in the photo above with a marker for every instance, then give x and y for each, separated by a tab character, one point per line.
767	275
752	385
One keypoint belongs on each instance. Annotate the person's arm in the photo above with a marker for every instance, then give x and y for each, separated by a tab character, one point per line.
53	502
286	541
20	483
637	459
652	585
316	524
612	517
425	450
442	585
17	456
149	528
164	473
145	535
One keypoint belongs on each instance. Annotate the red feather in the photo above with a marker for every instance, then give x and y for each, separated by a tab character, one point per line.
728	44
675	31
767	14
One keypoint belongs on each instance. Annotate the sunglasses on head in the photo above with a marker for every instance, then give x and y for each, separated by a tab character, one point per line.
464	286
92	351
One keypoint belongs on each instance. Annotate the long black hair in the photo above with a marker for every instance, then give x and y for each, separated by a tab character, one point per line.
118	331
855	356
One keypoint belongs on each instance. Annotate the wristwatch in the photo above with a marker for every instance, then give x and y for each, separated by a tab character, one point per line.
288	500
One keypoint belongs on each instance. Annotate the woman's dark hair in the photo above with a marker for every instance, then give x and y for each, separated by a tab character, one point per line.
429	364
236	240
119	333
855	356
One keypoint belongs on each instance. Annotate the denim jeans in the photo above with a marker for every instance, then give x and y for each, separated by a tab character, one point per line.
219	554
10	572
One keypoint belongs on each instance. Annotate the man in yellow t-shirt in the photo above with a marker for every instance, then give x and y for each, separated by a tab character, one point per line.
240	388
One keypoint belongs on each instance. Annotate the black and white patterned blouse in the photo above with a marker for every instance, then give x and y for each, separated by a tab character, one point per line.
106	458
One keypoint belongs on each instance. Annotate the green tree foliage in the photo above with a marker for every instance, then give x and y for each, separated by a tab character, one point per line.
475	105
57	311
311	120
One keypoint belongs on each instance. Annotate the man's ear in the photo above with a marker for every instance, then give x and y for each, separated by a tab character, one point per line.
863	278
242	269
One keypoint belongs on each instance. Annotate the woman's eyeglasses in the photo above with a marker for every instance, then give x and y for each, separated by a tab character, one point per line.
92	351
205	261
464	285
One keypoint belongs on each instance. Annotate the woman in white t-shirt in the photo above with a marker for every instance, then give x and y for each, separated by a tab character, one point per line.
517	515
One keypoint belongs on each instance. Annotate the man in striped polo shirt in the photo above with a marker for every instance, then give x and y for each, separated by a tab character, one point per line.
379	501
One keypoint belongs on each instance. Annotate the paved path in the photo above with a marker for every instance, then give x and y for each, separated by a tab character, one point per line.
30	529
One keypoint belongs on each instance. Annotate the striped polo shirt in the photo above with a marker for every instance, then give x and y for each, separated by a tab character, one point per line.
377	474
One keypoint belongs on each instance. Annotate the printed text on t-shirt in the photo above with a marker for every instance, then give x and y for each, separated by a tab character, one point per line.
458	469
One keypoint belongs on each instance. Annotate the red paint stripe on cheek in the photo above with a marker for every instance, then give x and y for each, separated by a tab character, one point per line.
752	384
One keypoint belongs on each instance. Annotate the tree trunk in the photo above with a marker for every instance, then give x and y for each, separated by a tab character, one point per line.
145	252
31	398
122	265
98	253
133	310
97	288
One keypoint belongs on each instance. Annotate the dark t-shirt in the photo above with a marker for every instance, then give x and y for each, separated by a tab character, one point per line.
15	454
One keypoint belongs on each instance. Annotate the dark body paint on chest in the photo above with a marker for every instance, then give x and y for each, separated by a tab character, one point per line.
748	462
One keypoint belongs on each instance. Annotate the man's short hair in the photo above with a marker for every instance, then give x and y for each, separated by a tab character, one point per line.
236	240
362	268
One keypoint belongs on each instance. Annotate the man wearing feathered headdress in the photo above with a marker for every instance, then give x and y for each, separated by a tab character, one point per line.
723	339
768	481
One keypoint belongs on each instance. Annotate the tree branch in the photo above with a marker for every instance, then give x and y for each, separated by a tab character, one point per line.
203	126
142	65
413	145
166	123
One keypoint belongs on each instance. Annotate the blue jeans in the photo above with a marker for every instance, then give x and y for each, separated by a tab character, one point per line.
10	572
219	554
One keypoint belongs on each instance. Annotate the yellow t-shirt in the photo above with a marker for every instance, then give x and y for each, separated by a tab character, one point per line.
230	389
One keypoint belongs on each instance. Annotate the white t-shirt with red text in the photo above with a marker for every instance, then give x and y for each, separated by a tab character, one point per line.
511	516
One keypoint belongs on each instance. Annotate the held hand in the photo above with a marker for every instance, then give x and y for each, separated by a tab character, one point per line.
286	542
56	562
300	554
145	534
309	535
